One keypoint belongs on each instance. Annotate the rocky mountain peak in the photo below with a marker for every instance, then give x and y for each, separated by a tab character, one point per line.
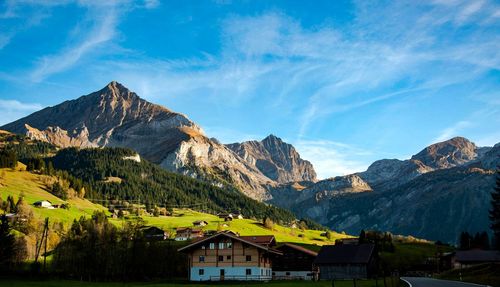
446	154
276	159
116	91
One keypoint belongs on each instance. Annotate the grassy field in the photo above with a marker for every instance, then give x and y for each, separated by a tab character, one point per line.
64	283
481	274
411	254
32	186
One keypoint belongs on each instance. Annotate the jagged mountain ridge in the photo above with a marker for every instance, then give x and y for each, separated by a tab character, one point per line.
407	197
276	159
117	117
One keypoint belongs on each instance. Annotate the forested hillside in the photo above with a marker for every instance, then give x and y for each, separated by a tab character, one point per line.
117	174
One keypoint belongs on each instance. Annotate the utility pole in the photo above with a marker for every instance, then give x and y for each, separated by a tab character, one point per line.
46	230
39	244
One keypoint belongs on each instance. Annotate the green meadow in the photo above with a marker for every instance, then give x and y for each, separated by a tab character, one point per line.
20	182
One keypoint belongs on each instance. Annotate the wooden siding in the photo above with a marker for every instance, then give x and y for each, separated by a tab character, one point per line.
238	252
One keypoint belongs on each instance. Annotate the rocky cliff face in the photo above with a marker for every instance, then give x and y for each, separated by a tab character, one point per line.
448	182
450	153
276	159
116	116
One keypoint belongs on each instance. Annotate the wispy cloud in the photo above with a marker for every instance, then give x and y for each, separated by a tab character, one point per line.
452	131
12	110
333	158
103	31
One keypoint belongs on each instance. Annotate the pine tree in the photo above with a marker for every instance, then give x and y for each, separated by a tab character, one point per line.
495	212
7	244
362	236
465	241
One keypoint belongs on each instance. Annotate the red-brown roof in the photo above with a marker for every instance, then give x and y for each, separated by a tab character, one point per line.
253	241
259	239
299	248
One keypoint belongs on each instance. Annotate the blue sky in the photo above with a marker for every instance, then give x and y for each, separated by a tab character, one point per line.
345	82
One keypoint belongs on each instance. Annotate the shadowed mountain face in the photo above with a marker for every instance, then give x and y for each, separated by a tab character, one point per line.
276	159
115	116
438	193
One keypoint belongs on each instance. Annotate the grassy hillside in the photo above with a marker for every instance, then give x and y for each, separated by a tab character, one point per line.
32	187
185	218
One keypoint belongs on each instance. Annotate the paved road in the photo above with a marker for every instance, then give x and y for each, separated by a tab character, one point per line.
429	282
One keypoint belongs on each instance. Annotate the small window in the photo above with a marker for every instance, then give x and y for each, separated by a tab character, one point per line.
212	245
221	258
221	245
248	272
201	272
249	258
229	244
202	258
261	271
228	257
288	274
203	247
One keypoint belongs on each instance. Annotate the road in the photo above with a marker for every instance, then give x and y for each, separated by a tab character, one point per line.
429	282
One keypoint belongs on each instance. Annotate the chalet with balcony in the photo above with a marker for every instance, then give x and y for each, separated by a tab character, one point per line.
227	256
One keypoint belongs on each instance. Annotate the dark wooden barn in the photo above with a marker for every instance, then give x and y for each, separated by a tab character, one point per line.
346	261
295	263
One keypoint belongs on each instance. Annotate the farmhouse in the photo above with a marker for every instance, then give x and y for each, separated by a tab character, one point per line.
200	223
226	256
183	234
296	263
154	233
44	204
346	261
467	258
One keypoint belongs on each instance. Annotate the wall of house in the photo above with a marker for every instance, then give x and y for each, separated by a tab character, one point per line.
344	271
238	254
230	273
285	275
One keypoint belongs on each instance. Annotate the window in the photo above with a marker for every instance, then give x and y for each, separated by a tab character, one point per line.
202	258
221	258
201	272
261	271
212	245
222	272
249	258
203	247
229	244
228	257
221	245
288	274
248	272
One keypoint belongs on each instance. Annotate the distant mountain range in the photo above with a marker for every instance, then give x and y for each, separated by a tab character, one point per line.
441	191
116	117
438	193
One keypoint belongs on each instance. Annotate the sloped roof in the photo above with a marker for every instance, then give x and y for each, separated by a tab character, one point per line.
259	239
477	255
340	254
299	248
239	238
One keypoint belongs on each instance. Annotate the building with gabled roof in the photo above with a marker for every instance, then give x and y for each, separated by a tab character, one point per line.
295	263
227	256
467	258
346	261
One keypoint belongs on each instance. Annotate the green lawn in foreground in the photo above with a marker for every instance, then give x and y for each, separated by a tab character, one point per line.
64	283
